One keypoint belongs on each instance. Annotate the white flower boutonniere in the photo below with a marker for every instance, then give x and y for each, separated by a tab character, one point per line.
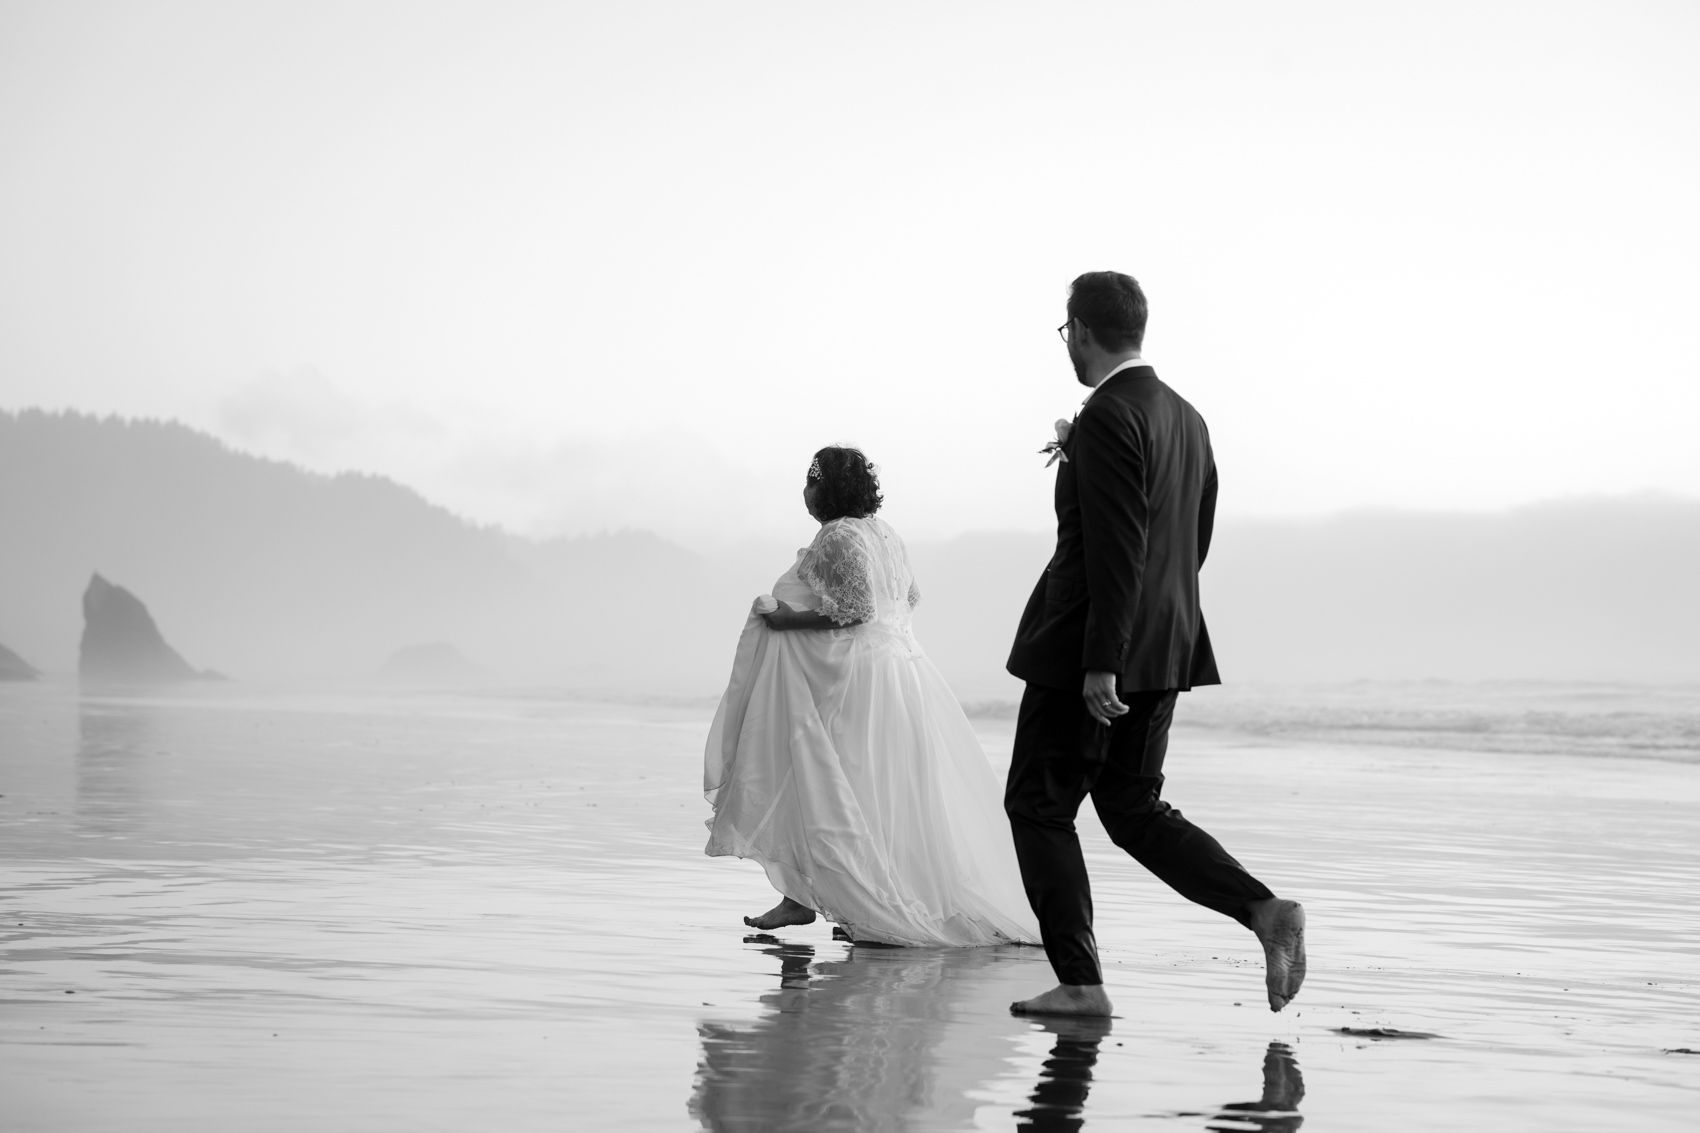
1055	448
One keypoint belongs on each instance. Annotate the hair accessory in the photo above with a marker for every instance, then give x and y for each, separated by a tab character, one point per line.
814	469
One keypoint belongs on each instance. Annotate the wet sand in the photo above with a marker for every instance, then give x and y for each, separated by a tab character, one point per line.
237	909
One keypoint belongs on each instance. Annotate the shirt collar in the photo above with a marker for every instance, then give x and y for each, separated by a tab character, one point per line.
1130	364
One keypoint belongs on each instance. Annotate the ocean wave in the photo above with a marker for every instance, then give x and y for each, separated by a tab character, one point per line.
1637	721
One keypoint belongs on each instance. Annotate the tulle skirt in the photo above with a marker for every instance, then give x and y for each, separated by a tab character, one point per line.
841	761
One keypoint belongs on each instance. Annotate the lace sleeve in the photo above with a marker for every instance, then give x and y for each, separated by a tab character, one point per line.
836	568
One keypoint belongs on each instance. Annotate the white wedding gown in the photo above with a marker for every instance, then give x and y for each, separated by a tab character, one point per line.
840	760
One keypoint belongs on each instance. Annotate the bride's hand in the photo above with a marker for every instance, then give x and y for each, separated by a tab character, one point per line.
764	605
779	617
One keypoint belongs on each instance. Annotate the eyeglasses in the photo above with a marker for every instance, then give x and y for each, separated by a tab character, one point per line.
1062	331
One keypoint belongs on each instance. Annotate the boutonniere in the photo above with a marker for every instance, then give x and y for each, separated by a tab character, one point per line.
1055	448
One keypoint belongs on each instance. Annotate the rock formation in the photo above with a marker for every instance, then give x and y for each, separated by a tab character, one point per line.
121	643
15	668
435	662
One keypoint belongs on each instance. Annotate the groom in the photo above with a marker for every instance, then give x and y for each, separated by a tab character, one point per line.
1111	636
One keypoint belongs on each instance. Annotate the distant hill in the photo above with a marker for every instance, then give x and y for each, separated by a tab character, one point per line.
15	668
1589	589
265	570
436	663
261	569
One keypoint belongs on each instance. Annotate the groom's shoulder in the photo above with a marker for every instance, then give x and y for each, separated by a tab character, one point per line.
1162	391
1133	395
1154	402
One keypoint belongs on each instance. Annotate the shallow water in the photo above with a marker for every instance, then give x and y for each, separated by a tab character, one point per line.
265	910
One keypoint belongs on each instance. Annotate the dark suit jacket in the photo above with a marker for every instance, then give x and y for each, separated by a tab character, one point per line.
1136	501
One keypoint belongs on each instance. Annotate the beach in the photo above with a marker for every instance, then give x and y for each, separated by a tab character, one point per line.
227	907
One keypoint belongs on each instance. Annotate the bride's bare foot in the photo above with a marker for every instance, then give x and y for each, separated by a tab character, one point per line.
1066	999
787	912
1280	928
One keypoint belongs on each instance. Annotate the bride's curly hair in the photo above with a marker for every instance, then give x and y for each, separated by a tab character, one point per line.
849	483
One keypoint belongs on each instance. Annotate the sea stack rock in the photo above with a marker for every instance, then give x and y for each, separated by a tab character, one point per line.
15	668
435	663
121	643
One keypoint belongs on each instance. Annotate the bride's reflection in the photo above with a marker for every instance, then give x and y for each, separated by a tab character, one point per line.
1277	1110
851	1043
860	1038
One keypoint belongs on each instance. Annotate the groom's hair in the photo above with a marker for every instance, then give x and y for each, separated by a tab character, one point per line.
849	484
1112	306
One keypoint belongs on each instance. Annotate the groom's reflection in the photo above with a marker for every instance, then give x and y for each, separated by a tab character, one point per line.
1058	1101
1277	1110
858	1038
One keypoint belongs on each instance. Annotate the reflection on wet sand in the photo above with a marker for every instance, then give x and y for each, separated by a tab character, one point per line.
886	1039
1059	1098
1277	1111
113	765
849	1044
320	911
1058	1101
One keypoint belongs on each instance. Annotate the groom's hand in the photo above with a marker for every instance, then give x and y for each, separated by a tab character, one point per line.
1099	693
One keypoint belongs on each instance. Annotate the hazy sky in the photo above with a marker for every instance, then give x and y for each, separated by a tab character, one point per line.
570	266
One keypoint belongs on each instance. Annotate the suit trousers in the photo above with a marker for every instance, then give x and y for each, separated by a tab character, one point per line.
1061	756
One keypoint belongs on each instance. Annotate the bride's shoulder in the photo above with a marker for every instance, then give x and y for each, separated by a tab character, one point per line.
838	528
848	534
832	531
877	526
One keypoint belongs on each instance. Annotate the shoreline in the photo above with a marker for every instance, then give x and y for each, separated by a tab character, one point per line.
454	913
1594	718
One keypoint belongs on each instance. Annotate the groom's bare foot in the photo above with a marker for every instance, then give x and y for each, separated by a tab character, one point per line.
1066	999
787	912
1280	928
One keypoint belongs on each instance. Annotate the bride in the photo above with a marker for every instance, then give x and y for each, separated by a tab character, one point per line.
839	759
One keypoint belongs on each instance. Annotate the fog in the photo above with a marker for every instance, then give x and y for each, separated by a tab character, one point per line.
569	268
266	572
502	332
